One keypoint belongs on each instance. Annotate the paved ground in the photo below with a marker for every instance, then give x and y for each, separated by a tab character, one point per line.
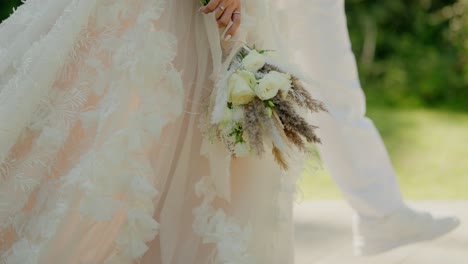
323	236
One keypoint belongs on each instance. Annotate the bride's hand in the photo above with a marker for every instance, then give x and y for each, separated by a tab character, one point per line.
225	11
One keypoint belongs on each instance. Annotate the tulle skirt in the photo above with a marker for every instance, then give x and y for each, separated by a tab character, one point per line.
102	158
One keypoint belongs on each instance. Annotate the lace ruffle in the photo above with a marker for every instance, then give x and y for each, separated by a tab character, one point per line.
112	173
214	226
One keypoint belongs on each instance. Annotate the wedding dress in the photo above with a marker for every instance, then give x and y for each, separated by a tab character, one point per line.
102	159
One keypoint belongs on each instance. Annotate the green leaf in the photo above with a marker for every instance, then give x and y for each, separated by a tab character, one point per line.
269	104
264	51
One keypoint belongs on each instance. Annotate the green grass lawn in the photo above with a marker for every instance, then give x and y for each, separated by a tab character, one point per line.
429	149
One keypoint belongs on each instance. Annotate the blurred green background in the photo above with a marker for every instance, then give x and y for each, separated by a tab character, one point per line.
413	64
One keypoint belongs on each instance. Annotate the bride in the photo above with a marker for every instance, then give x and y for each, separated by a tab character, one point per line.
101	156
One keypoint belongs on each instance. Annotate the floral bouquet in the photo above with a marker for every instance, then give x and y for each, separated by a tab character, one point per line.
259	106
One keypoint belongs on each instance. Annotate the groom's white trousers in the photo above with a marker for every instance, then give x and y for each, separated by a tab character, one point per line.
352	149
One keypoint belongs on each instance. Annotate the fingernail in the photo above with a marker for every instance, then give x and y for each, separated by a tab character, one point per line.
201	8
228	37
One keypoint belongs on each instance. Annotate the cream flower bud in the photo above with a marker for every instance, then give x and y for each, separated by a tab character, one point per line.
240	89
285	83
227	115
269	111
254	61
237	113
248	77
241	149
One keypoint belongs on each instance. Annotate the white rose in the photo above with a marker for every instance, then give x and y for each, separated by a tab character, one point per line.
254	61
241	149
271	83
240	88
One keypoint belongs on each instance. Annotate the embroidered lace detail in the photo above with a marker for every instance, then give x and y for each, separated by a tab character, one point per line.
137	97
214	226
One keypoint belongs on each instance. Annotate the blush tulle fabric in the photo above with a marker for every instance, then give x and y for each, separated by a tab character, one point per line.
102	158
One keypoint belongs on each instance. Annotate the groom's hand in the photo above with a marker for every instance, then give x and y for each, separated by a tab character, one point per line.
225	12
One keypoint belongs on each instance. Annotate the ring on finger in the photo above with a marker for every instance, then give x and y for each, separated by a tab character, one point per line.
221	7
236	12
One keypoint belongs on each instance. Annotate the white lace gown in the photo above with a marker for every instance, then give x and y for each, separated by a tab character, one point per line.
102	160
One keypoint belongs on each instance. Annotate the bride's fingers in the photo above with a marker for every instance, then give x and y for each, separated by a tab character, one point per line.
219	13
236	18
210	7
225	11
224	20
222	7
